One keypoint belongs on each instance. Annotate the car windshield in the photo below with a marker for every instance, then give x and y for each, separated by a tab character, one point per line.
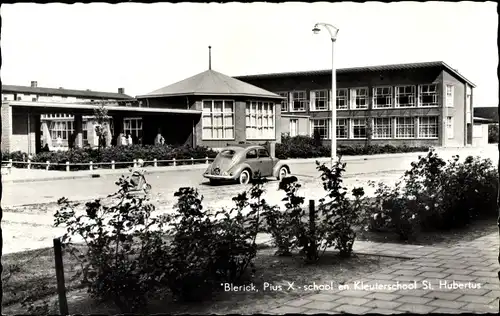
228	153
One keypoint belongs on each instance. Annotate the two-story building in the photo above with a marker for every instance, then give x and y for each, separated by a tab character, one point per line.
403	104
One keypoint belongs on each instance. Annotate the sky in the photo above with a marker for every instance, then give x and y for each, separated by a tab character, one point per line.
144	47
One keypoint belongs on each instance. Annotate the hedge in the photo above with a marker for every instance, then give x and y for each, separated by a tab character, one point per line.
308	147
117	154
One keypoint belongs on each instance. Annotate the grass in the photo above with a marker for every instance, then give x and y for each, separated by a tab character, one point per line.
277	271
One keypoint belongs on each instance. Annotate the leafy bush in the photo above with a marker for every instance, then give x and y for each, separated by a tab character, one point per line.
493	133
125	251
435	195
206	250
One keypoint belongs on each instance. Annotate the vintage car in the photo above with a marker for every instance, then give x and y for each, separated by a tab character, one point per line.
241	162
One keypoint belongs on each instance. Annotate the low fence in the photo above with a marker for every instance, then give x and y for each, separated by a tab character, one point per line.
103	165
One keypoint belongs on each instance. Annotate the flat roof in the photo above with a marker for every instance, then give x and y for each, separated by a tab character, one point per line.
65	92
76	106
360	69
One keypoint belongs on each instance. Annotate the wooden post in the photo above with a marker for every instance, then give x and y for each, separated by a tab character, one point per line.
29	164
206	160
67	166
135	163
113	164
155	162
192	160
61	288
312	251
48	165
10	163
91	166
174	162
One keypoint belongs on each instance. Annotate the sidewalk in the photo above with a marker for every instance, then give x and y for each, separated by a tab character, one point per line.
24	175
470	265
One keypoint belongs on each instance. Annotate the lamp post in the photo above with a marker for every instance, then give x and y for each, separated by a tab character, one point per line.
333	134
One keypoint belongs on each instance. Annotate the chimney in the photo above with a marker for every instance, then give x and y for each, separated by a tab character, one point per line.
34	84
209	57
121	90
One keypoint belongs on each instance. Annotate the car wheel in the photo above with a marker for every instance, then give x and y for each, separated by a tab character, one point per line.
282	173
244	177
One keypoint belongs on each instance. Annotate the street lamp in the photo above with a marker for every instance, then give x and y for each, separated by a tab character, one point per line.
333	35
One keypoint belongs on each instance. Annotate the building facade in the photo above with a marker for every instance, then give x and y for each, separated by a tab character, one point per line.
405	104
56	128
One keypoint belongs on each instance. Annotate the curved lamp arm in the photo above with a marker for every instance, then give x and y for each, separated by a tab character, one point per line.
330	28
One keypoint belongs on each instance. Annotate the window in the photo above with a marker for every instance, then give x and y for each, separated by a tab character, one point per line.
382	127
405	127
133	126
252	154
405	96
321	127
382	97
218	119
85	131
449	126
61	129
319	100
428	127
450	89
358	128
359	98
298	101
263	153
228	153
428	95
342	128
342	99
260	120
293	127
284	103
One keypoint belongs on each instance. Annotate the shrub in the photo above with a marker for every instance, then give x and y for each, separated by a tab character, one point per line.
206	250
125	251
493	133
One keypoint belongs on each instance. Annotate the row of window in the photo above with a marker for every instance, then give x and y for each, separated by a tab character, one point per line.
357	98
382	128
218	120
64	129
41	98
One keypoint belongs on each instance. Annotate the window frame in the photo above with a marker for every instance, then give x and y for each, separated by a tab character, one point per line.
413	127
413	94
391	128
353	126
450	127
353	97
212	114
303	101
346	107
285	101
435	94
389	97
296	122
135	129
420	126
327	127
264	116
313	100
450	98
337	125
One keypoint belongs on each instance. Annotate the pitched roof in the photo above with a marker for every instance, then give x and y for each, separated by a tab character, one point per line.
490	113
64	92
211	83
361	69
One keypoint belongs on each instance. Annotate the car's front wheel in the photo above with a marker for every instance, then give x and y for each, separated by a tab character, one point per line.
282	173
244	177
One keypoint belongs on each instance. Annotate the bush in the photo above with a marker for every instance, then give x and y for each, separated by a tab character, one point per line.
435	195
493	134
126	252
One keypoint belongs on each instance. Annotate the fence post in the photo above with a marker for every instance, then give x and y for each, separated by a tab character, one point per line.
312	251
174	162
48	165
192	160
29	164
155	162
61	289
135	163
91	166
112	164
67	166
10	163
206	160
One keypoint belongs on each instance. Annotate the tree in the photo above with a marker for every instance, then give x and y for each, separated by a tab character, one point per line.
101	120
